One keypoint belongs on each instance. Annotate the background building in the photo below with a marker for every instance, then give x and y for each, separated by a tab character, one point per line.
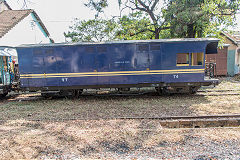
21	27
233	57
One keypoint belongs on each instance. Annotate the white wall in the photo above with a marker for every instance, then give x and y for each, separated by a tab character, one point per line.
25	32
3	6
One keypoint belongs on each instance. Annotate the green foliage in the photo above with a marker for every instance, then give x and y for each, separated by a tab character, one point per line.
148	7
199	18
134	26
178	19
95	30
97	5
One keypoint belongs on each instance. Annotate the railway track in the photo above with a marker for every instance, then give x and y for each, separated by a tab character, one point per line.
204	121
225	90
184	117
32	96
167	122
233	92
224	94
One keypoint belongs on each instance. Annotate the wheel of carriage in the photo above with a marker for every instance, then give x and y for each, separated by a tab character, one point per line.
123	89
3	95
47	95
193	89
68	93
159	90
77	93
163	91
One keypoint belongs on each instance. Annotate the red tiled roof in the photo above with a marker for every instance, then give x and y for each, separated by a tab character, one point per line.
10	18
235	37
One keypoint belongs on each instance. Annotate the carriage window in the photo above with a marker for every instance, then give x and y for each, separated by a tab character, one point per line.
102	49
90	49
49	51
197	59
155	47
37	51
142	47
182	59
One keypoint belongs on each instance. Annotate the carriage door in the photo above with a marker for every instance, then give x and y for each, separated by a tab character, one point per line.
155	62
38	70
50	60
102	64
118	61
142	62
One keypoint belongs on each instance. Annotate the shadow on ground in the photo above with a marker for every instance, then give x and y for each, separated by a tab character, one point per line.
100	106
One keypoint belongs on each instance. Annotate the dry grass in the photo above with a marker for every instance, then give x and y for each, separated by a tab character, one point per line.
227	83
229	104
104	139
95	107
218	105
22	138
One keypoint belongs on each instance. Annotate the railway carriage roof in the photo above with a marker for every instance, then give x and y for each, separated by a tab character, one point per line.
123	41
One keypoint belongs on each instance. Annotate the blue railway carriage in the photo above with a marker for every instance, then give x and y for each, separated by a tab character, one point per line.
170	65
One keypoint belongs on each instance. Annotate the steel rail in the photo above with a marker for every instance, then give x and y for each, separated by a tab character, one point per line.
224	94
185	117
39	97
226	90
133	94
165	118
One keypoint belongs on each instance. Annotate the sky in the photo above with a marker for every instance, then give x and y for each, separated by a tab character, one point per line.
58	15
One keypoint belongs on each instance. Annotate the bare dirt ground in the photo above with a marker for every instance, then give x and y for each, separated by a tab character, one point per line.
38	128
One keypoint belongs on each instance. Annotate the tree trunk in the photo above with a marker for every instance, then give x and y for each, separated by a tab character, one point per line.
157	32
190	31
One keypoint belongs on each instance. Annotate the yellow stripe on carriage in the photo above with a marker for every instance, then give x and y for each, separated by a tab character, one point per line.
89	75
121	74
110	73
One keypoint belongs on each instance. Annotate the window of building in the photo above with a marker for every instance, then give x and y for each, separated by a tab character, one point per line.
182	59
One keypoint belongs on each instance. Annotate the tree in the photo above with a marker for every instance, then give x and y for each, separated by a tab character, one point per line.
199	18
128	27
134	26
95	30
147	7
184	18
